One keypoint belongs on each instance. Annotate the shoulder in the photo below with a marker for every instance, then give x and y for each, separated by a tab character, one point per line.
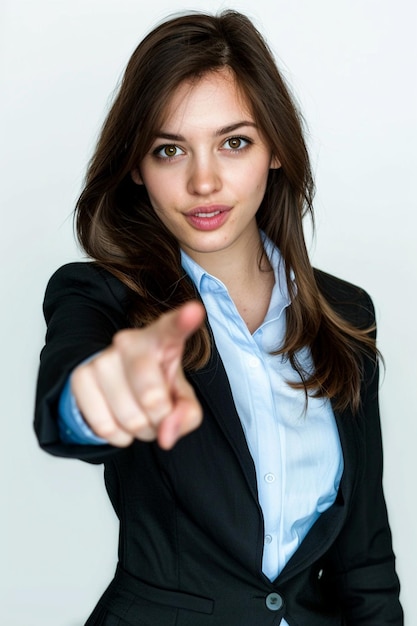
348	300
86	274
86	281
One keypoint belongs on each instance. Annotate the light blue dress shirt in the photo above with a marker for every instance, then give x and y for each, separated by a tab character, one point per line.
296	449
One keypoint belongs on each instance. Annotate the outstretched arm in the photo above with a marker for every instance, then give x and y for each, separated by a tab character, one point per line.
136	387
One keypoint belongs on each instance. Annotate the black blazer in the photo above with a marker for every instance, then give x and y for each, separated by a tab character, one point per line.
191	528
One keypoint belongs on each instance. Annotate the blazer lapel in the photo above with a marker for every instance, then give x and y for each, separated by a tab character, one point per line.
212	384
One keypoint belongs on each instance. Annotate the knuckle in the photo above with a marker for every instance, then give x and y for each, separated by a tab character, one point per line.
133	422
99	366
122	340
82	377
146	433
86	372
123	442
113	434
106	430
139	367
154	398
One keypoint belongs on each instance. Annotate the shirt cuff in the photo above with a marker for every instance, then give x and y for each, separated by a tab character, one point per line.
71	424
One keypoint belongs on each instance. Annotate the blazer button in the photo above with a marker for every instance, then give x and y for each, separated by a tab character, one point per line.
274	601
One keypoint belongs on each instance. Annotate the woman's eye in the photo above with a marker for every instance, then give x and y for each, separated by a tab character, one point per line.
168	151
236	143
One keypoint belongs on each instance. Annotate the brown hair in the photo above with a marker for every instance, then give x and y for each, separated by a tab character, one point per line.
118	228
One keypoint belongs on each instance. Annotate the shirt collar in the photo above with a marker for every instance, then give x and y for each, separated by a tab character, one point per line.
194	270
280	296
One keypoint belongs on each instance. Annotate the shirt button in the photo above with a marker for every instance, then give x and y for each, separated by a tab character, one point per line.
253	362
274	601
269	478
268	539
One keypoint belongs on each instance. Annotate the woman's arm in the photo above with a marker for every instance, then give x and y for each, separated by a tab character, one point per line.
85	310
84	307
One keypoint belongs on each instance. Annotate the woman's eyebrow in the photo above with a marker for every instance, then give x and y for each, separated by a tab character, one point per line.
230	128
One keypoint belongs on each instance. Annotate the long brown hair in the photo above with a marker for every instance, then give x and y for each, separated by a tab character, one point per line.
118	228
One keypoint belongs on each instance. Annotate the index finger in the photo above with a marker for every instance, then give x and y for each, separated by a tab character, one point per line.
176	326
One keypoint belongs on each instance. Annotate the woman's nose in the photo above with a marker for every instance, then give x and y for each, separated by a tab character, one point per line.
204	176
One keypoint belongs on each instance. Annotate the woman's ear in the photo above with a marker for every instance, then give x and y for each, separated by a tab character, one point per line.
136	177
275	163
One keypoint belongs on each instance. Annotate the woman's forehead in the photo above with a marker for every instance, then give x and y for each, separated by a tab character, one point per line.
213	100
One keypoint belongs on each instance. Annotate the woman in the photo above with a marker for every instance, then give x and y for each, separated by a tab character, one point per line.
229	388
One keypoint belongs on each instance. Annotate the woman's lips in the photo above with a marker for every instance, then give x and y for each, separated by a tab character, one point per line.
208	217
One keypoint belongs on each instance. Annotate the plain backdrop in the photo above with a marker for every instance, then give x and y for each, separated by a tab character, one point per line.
352	65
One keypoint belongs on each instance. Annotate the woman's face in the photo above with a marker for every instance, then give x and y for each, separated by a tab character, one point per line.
207	169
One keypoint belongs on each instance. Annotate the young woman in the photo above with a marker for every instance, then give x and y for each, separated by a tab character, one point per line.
229	388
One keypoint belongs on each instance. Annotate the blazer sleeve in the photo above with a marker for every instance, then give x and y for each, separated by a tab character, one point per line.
84	307
363	571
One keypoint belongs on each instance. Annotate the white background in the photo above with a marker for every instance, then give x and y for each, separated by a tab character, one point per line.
352	65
